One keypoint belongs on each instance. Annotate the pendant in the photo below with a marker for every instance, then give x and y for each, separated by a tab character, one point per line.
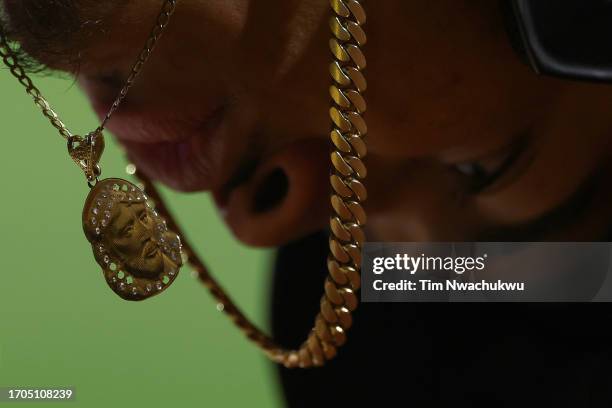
139	256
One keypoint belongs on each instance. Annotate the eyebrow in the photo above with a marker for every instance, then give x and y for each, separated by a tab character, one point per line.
53	32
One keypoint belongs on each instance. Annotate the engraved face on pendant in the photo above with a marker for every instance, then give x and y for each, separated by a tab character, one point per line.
140	257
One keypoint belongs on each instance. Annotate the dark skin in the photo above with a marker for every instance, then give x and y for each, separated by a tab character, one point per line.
242	84
465	141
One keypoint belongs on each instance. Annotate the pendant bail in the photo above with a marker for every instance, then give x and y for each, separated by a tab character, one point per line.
86	153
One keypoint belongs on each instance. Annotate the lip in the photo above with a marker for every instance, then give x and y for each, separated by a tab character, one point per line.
189	157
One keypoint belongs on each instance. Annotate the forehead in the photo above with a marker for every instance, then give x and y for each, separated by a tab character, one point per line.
123	212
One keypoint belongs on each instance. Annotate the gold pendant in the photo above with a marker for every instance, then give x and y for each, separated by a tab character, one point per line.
140	257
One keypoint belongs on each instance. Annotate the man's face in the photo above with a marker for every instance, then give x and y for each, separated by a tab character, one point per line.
130	235
464	140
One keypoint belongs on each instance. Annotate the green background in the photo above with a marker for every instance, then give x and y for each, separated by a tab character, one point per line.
62	325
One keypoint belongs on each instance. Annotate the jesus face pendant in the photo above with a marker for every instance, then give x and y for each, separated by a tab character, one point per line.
139	256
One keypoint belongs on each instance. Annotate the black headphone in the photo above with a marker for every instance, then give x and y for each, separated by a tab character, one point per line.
563	38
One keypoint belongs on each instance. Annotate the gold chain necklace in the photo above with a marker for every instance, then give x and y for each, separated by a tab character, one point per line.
138	246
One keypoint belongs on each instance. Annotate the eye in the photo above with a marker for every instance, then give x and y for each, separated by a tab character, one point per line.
478	174
484	172
127	230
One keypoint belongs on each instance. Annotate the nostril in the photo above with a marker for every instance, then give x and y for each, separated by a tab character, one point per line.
271	191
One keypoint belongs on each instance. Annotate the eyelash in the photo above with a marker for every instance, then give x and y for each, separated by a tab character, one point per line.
127	230
479	179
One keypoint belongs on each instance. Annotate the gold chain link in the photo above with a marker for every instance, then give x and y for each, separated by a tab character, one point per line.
348	219
348	172
10	60
160	24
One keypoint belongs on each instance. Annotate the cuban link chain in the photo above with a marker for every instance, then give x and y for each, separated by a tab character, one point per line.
348	218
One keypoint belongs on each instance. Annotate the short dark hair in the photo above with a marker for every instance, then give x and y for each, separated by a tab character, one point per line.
52	30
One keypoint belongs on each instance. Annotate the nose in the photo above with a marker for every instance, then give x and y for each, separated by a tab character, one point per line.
286	198
142	230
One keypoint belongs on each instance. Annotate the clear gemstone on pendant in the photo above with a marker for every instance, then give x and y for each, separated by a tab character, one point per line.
106	259
114	279
94	221
149	287
159	286
95	211
172	272
98	231
100	248
107	214
122	286
104	222
134	290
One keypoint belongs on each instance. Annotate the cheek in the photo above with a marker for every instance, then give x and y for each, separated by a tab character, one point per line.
125	247
420	201
545	186
560	163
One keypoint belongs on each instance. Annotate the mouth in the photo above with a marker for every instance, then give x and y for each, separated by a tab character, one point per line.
208	158
263	194
187	158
